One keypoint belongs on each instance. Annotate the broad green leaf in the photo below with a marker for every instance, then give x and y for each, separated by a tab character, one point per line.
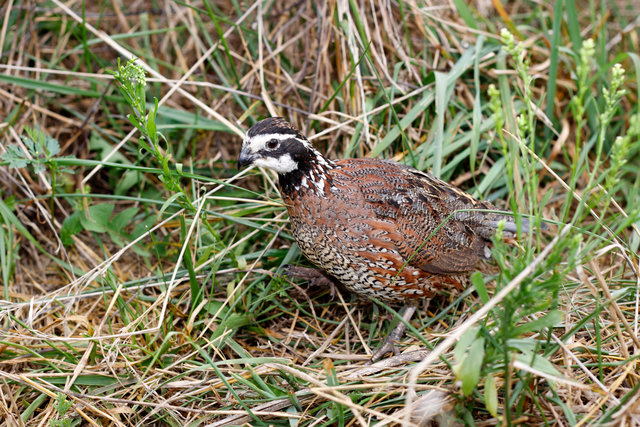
30	142
97	218
123	219
228	321
549	320
169	202
143	227
294	421
70	227
128	179
525	345
465	13
539	363
491	395
52	146
463	344
471	367
151	120
116	231
478	282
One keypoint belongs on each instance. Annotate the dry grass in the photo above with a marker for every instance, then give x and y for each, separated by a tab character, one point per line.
157	314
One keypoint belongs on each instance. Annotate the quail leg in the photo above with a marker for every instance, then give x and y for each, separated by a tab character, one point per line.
389	343
314	276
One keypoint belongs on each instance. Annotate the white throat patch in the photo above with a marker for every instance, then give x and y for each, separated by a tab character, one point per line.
283	164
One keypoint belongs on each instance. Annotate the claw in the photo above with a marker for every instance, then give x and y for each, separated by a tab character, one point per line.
394	336
314	276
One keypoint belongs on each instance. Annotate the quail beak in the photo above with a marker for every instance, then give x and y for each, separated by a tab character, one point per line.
245	159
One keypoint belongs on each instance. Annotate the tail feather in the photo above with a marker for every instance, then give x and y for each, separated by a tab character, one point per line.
511	227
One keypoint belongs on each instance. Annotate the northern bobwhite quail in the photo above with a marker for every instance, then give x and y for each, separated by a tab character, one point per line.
382	229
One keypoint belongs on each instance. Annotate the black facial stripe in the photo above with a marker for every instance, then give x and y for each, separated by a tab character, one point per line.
265	152
291	146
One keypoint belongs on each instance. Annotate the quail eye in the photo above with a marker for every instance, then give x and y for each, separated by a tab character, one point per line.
272	144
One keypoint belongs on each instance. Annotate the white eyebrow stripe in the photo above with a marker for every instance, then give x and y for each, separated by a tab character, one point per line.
258	142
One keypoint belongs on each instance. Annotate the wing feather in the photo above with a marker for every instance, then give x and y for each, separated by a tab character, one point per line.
431	232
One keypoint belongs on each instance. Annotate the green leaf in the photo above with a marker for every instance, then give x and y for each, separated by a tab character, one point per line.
138	230
471	367
549	320
228	320
91	380
141	96
169	202
539	363
463	344
491	395
496	172
127	180
41	87
97	218
16	157
70	227
525	345
554	52
38	168
52	146
183	118
151	120
34	136
478	282
103	148
442	82
465	13
62	405
136	122
117	237
122	219
29	142
142	142
143	227
294	421
216	307
117	225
